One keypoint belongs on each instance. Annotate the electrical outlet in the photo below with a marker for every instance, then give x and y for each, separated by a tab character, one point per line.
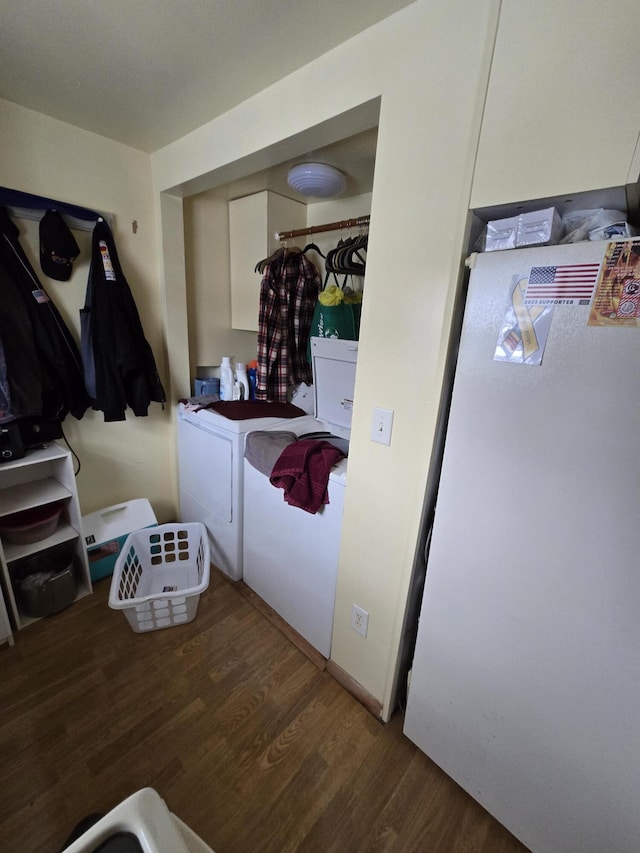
359	620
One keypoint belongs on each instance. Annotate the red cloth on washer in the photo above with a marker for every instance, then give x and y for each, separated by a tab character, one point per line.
242	410
303	469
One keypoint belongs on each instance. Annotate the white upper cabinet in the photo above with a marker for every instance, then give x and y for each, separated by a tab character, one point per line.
561	114
253	222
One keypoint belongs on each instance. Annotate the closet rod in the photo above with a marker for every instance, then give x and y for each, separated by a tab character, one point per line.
358	222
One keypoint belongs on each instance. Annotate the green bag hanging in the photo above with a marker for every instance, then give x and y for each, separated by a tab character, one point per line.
336	321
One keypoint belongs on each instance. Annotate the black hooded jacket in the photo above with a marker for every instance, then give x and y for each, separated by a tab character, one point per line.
119	367
44	368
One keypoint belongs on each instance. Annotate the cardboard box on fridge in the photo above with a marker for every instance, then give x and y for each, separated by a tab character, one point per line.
501	234
537	228
106	530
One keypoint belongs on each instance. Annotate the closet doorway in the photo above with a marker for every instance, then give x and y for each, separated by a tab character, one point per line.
207	256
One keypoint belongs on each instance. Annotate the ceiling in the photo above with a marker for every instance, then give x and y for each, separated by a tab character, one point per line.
147	72
354	156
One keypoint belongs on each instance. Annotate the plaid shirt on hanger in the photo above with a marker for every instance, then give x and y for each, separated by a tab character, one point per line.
288	295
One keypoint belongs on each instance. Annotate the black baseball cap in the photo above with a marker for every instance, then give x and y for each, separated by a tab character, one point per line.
58	248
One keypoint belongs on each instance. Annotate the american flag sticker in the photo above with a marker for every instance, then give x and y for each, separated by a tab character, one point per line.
570	284
40	296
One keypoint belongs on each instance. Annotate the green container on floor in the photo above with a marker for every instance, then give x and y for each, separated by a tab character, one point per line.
106	530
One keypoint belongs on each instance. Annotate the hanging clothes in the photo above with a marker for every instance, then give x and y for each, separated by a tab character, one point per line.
43	365
119	367
288	294
5	393
20	354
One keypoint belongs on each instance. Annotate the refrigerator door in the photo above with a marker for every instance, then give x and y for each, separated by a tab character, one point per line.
525	685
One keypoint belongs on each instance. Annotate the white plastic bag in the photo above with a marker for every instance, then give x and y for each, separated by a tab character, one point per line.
578	223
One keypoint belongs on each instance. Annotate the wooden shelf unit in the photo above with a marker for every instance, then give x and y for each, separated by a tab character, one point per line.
43	476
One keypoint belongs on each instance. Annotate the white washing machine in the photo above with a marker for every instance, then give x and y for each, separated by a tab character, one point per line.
211	470
291	556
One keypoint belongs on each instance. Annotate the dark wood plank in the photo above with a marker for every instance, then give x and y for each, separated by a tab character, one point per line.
247	739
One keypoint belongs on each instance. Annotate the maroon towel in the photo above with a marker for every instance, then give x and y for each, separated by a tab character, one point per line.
240	410
303	469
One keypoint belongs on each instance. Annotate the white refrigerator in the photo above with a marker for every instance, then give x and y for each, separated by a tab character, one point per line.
525	686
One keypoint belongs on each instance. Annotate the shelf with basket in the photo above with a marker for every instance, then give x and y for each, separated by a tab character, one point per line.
43	560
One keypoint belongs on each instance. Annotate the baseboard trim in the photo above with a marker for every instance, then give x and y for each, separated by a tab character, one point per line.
290	633
356	689
336	672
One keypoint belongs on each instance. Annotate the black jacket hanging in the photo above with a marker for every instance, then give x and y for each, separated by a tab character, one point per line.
119	367
42	358
20	355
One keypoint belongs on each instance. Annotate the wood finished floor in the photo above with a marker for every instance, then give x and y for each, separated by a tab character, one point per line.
246	740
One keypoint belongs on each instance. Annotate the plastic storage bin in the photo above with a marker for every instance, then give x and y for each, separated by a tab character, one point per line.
159	575
106	529
46	593
31	525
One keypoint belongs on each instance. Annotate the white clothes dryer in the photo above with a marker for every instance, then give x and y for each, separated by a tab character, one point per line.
211	473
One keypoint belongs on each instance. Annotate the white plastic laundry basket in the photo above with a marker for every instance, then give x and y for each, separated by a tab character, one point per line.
159	575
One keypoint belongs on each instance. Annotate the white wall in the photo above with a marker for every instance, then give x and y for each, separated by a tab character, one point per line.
47	157
428	65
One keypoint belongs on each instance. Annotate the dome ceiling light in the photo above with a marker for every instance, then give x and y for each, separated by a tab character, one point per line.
316	179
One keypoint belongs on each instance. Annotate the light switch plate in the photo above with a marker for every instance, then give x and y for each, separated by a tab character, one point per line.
381	425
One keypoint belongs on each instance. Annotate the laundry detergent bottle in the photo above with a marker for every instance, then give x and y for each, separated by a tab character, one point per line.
243	380
227	379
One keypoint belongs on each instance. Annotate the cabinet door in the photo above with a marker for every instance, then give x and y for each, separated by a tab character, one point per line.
561	114
253	222
248	244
